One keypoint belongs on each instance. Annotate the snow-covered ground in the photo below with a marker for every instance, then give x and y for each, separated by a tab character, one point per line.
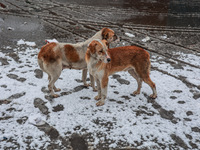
123	119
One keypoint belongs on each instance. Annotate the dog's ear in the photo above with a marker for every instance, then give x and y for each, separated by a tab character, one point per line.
107	44
105	33
92	47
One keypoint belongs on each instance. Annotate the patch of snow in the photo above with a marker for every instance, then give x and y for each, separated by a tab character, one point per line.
51	40
119	120
146	39
8	47
164	36
190	58
129	35
36	119
191	74
22	42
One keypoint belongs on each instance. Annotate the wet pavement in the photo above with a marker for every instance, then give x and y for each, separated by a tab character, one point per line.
168	30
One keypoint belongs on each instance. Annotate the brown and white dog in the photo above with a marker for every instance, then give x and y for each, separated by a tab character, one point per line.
54	57
102	62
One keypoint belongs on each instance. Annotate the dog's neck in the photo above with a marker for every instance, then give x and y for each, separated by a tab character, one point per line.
88	41
94	62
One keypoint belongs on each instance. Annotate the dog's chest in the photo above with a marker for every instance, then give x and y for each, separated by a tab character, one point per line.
94	71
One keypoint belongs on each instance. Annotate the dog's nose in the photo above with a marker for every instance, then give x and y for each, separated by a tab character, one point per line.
108	59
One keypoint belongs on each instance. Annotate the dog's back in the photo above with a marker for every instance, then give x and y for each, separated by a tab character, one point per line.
127	56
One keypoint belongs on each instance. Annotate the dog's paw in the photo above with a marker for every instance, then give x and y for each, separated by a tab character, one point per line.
57	90
97	97
95	89
136	92
153	96
55	95
86	85
100	103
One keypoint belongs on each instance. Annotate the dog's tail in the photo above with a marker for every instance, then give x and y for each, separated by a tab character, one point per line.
40	59
40	63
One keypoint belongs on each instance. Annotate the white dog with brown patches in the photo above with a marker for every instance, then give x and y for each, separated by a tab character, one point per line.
102	62
54	57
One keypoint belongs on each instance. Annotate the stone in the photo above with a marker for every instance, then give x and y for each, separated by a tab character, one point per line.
196	129
115	76
17	95
4	61
78	142
38	73
40	104
57	108
189	113
12	76
123	81
79	88
179	141
196	96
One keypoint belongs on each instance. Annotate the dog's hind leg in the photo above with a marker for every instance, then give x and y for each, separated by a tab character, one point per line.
133	73
152	85
54	72
54	78
54	87
49	77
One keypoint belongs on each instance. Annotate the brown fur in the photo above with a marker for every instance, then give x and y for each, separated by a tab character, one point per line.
71	53
133	59
54	57
48	54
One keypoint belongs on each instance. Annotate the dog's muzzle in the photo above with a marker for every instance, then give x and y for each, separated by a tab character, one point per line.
108	59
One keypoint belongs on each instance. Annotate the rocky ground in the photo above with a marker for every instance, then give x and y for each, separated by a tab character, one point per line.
72	121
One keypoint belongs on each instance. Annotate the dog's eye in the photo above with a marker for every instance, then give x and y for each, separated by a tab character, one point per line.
101	51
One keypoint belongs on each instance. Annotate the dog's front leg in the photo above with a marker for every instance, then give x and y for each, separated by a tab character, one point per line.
104	88
84	76
98	97
92	80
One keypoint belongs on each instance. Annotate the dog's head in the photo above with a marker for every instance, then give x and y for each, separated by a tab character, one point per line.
109	35
98	50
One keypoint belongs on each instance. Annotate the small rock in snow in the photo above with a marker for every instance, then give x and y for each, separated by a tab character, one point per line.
10	28
164	36
129	35
146	39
